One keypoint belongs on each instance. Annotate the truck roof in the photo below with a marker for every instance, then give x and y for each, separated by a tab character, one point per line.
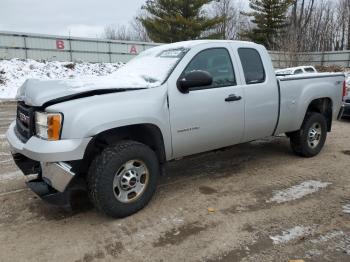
193	43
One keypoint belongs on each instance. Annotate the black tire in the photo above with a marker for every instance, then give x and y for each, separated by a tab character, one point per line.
102	172
299	139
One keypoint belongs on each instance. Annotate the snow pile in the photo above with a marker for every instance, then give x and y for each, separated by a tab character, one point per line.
14	72
291	234
298	191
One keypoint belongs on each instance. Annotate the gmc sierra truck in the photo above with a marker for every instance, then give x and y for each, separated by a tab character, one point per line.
110	136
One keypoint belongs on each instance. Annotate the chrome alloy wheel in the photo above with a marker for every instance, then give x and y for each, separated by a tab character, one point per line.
314	135
130	181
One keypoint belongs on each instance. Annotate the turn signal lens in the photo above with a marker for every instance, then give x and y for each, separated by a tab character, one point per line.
54	127
48	125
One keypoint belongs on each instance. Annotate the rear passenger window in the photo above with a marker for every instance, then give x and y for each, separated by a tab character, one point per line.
298	72
253	67
217	62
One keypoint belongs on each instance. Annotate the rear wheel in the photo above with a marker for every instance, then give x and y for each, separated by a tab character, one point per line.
310	139
123	178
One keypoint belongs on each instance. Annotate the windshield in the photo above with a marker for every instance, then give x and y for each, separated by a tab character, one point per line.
149	69
309	70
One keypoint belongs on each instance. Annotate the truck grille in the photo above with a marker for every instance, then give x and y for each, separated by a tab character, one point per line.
24	122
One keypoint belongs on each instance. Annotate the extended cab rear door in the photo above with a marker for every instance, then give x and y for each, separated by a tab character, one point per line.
207	117
260	88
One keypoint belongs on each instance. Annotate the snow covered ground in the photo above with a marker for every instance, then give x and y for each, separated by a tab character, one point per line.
291	234
298	191
346	209
14	72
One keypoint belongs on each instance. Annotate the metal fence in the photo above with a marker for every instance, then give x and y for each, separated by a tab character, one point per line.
284	59
60	48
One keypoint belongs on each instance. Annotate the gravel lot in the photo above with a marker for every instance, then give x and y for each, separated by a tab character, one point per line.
252	202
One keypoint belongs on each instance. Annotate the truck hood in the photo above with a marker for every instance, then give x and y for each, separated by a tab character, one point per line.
36	92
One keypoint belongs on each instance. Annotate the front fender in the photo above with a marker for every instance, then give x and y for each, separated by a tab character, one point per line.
90	116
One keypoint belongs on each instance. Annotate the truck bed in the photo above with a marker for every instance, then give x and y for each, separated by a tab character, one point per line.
309	87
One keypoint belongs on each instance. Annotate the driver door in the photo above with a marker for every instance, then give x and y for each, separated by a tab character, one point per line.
207	117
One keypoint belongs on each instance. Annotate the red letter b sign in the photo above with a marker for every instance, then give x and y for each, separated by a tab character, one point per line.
59	44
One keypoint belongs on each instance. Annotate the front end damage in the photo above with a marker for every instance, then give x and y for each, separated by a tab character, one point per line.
55	183
54	164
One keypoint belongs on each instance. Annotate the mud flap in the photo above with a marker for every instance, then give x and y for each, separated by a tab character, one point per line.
341	112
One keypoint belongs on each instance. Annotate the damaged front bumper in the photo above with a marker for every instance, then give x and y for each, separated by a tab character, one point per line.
51	161
55	182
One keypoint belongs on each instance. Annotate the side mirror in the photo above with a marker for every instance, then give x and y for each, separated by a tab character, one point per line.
192	79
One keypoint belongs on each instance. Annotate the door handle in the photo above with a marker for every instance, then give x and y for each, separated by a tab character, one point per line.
232	98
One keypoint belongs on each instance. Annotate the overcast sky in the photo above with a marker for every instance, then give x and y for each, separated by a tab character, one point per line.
77	17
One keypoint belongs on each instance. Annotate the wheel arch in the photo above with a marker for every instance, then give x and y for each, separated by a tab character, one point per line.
148	134
323	106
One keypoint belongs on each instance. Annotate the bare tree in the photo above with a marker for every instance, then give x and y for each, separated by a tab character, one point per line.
302	10
117	32
233	23
139	30
347	5
345	14
341	20
134	31
319	34
318	26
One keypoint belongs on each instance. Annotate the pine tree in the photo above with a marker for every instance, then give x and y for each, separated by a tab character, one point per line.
270	19
177	20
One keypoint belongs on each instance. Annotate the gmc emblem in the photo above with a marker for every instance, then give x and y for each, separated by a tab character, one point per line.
24	118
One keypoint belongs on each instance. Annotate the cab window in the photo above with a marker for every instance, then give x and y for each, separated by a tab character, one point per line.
253	67
217	62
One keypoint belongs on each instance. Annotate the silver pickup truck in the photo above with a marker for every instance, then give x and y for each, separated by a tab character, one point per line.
110	136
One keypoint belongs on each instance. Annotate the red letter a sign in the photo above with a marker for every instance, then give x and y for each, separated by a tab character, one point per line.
133	50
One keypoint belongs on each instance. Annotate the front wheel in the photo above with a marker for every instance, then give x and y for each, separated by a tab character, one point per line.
123	178
310	139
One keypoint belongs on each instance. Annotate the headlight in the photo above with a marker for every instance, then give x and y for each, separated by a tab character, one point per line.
48	125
